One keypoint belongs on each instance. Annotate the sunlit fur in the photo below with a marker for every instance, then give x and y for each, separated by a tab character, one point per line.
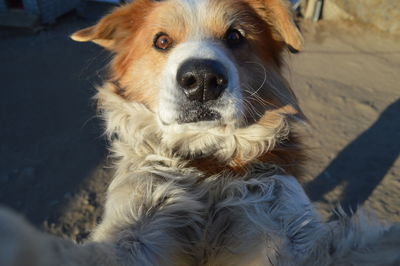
211	192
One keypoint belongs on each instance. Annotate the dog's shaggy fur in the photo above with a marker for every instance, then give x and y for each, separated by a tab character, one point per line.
203	192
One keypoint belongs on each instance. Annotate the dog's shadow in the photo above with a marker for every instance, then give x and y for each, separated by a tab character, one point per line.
362	164
51	143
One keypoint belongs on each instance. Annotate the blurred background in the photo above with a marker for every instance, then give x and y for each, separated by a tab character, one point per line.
53	157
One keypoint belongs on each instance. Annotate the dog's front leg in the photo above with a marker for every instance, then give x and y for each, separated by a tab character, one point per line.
270	212
150	219
298	224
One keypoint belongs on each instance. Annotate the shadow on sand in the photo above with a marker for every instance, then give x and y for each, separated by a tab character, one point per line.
362	164
50	138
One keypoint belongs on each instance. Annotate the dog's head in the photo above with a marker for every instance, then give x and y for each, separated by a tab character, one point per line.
205	68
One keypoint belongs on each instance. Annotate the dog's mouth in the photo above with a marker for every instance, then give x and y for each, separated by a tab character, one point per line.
194	113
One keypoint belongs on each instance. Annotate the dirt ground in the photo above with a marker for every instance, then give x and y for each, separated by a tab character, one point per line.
53	158
348	83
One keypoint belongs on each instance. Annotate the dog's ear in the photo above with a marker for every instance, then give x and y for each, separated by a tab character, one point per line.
105	31
119	23
279	15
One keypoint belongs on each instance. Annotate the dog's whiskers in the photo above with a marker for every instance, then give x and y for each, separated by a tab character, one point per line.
265	76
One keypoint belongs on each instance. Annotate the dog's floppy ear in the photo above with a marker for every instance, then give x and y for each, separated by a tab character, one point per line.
103	33
279	15
111	27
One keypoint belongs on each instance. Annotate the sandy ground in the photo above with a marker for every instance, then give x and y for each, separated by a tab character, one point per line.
348	83
53	165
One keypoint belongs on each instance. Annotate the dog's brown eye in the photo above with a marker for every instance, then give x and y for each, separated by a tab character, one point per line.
233	37
162	41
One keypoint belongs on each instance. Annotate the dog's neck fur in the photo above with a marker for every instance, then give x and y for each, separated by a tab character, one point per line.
138	140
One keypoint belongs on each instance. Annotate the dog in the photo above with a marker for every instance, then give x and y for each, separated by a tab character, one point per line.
203	131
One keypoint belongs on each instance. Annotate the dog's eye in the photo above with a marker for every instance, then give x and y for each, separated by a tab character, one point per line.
162	41
234	37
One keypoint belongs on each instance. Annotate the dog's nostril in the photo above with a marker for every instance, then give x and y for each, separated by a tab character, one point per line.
214	85
213	81
189	81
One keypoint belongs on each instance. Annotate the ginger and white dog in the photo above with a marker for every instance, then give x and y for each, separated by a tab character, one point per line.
202	128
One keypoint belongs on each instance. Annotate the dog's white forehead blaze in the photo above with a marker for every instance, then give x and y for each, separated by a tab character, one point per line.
194	7
198	14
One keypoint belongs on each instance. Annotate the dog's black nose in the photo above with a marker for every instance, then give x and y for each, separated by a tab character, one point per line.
202	80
